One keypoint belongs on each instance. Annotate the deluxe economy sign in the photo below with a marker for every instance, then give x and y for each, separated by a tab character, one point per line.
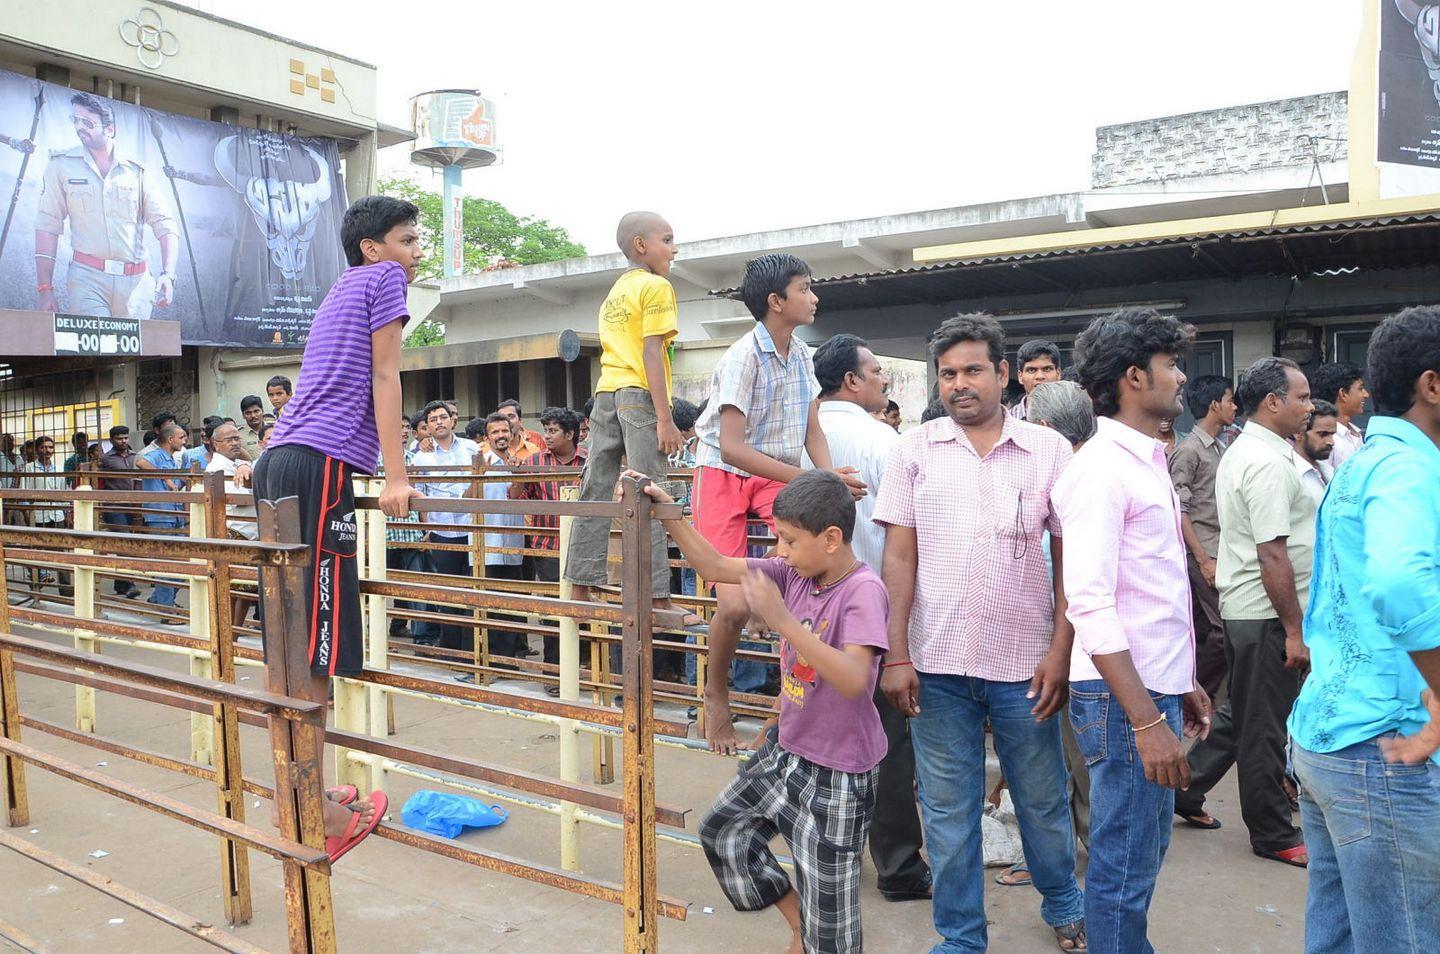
77	335
115	211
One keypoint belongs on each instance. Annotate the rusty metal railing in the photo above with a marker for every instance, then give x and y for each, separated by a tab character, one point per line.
294	724
364	752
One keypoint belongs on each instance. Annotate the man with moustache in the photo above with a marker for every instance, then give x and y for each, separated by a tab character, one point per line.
978	631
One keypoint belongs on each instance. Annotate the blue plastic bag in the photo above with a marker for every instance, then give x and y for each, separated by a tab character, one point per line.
441	813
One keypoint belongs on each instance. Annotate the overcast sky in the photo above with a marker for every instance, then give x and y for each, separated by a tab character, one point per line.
745	116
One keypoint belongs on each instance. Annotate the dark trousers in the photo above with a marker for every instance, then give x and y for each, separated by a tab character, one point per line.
1210	656
1249	732
120	523
547	570
452	563
505	642
895	832
411	560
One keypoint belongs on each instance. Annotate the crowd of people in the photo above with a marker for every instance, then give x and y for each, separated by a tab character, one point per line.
1047	560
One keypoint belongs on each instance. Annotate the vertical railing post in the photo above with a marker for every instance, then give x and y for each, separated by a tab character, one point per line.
569	692
202	727
298	747
225	723
83	581
12	770
641	933
351	697
377	637
480	646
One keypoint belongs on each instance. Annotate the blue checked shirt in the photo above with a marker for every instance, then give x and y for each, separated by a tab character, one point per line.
395	534
773	393
1375	595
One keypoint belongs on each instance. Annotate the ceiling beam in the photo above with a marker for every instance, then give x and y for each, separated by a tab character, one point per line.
883	259
543	292
700	278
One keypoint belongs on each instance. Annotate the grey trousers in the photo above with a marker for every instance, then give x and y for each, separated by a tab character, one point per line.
622	424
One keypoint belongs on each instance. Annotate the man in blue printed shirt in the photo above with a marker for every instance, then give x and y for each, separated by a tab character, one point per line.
1362	744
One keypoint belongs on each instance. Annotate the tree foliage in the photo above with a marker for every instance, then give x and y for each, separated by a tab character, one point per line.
493	235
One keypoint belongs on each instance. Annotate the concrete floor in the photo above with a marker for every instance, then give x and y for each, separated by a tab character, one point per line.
1214	896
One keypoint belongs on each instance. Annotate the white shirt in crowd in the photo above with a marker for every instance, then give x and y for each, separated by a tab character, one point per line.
498	491
1348	439
40	476
858	440
246	528
1312	479
461	453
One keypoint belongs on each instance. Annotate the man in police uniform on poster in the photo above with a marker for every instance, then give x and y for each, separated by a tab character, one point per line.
108	200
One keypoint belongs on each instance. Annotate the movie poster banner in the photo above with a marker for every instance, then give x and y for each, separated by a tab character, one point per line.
112	210
1409	126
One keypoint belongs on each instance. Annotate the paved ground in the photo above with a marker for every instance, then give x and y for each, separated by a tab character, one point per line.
1214	896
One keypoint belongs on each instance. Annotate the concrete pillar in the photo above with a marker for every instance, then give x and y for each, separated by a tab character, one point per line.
361	167
52	73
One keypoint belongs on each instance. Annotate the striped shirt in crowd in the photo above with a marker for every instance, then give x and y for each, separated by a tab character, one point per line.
333	410
545	490
773	393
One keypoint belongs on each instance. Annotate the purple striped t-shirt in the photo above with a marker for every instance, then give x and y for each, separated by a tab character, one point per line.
333	410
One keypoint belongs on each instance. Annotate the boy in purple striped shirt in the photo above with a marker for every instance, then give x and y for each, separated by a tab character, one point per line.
349	377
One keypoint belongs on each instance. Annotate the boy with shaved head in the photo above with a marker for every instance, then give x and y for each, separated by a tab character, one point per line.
631	418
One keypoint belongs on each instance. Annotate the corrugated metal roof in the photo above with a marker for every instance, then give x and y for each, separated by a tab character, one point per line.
1298	251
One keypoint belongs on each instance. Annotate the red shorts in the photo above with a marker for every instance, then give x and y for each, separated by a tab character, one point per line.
723	503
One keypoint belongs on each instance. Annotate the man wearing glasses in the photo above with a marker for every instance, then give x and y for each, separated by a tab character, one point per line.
107	198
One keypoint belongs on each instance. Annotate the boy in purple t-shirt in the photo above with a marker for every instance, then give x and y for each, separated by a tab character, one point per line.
815	784
349	377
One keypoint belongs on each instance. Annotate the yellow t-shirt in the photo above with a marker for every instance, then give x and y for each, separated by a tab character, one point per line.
640	305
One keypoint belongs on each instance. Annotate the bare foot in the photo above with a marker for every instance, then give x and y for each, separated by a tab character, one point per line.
719	730
337	816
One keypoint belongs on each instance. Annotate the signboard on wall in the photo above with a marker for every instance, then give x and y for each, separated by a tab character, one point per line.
76	335
1408	130
112	210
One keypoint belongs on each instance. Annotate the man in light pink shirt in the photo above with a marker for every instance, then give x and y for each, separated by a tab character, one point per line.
1132	671
978	631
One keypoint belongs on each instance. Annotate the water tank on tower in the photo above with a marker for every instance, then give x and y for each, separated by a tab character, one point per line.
454	131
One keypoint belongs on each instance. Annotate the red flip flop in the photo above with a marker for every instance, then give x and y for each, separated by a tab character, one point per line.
342	794
337	846
1290	856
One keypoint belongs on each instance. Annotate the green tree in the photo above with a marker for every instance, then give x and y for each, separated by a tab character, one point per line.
494	237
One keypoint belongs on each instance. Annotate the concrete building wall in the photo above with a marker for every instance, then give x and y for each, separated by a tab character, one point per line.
1236	139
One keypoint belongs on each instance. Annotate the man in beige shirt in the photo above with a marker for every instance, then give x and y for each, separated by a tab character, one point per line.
1267	539
108	199
1193	466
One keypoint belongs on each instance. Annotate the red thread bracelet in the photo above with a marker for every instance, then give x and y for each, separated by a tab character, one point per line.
903	662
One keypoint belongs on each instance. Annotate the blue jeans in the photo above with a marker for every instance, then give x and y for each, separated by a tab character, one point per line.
949	739
1371	829
165	590
750	675
1130	819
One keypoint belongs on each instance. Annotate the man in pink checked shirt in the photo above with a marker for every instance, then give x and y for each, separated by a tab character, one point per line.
978	631
1132	671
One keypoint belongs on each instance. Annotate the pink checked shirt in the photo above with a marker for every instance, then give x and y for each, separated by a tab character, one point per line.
984	605
1125	575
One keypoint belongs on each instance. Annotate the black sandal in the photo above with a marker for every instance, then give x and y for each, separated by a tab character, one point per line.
1194	822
